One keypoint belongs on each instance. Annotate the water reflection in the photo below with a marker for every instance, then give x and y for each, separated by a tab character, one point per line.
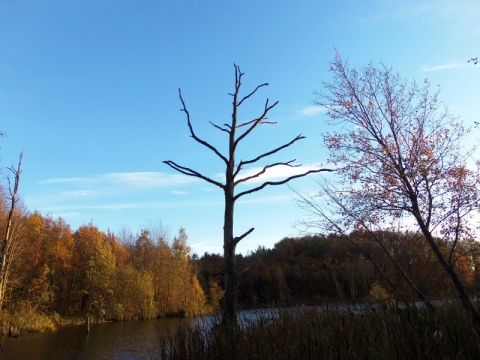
119	340
131	339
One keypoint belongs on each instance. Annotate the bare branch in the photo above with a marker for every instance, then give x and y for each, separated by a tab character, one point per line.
265	168
254	160
256	122
192	132
237	239
231	172
190	172
238	83
220	128
253	92
281	182
238	77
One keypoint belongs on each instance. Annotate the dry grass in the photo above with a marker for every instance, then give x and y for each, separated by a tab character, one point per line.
311	333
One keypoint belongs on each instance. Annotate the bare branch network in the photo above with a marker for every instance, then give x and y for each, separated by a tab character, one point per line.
236	132
234	139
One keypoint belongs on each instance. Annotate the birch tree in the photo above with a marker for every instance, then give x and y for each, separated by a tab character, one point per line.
236	131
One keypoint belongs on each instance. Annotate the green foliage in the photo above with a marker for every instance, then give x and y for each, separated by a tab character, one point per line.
133	295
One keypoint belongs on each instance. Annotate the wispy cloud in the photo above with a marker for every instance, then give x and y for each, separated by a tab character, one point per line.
77	193
441	67
112	206
451	13
199	244
313	110
137	179
63	180
178	192
267	199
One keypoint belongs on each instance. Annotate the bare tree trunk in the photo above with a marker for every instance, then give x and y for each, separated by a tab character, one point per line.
234	177
230	298
6	241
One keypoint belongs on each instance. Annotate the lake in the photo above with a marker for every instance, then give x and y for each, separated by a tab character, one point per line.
121	340
116	340
113	340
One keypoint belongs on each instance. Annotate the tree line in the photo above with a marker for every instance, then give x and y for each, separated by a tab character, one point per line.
330	268
54	270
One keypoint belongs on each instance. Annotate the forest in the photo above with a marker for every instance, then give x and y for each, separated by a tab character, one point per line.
323	269
57	272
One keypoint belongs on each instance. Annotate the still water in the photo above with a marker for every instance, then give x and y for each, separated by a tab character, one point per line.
117	340
120	340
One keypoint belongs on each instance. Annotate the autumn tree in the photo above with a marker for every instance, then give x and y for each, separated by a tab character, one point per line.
400	155
236	131
88	248
46	263
331	213
166	273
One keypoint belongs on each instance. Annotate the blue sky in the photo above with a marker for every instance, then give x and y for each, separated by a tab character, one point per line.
89	91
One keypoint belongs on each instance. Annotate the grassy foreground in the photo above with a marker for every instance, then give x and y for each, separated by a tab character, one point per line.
373	333
28	320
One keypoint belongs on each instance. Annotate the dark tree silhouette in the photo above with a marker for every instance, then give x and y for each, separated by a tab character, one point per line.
236	132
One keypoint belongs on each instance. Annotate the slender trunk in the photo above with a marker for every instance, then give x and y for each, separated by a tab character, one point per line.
6	241
5	248
457	283
229	245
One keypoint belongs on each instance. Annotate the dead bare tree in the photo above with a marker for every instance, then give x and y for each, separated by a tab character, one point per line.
233	177
5	249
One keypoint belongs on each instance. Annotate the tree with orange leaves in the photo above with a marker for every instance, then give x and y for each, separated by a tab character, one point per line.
399	155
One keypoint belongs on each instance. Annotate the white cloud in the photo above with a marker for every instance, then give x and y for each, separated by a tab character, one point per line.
313	110
148	179
449	66
78	193
137	179
267	199
63	180
178	192
457	15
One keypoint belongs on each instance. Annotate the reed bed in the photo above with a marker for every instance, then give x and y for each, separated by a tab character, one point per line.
319	333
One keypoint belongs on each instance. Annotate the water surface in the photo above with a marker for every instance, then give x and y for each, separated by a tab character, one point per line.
117	340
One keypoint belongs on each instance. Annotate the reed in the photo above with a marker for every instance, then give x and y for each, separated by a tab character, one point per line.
24	321
317	333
